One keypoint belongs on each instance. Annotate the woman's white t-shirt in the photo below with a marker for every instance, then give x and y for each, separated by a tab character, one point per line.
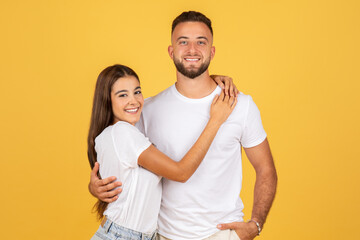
118	148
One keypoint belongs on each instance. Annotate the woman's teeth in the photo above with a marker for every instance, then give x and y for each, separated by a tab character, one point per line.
131	110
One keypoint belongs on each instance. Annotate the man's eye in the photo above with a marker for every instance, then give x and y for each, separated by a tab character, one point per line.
201	43
182	42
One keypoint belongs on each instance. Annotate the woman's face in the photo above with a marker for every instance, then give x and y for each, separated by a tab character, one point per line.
127	100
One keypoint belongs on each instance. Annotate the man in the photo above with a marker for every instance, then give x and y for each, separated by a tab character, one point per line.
173	120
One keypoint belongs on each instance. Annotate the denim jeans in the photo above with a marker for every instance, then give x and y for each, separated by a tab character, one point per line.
112	231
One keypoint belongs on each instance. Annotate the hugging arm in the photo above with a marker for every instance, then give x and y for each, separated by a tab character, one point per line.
157	162
160	164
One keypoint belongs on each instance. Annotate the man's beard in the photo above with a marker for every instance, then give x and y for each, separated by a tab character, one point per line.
191	73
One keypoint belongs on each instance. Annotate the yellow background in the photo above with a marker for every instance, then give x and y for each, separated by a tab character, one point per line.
298	59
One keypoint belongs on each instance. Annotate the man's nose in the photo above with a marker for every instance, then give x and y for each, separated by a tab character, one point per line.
192	48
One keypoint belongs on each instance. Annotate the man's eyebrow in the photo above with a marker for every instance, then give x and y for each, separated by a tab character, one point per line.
120	91
201	37
181	38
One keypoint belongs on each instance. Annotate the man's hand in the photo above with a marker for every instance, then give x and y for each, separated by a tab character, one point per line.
245	230
227	84
103	189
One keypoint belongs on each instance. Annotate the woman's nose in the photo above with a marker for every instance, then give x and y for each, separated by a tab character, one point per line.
132	100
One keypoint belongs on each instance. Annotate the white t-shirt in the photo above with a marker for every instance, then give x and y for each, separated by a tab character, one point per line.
173	123
118	148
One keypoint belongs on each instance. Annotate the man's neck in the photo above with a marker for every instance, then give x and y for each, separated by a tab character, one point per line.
198	87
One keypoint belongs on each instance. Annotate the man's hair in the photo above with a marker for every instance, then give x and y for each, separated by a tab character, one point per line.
191	16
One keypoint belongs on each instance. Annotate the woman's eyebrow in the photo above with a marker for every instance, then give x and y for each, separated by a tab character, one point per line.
120	91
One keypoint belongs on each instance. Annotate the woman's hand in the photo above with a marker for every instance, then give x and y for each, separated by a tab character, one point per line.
226	83
221	107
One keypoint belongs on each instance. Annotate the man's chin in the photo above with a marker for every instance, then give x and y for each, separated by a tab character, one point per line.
191	75
191	71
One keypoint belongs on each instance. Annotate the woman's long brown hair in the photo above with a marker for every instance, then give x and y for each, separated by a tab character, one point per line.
102	115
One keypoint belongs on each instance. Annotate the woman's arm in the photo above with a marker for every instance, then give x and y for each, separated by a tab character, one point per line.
157	162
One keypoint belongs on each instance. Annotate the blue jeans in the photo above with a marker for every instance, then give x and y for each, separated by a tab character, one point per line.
112	231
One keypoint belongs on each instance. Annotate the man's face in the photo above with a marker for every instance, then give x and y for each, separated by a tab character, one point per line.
191	48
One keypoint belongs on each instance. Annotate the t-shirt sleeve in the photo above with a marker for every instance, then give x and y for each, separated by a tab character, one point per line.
129	143
254	133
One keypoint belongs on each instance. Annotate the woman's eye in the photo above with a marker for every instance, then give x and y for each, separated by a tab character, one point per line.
122	95
138	92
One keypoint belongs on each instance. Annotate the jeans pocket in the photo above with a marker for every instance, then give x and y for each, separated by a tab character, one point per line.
100	234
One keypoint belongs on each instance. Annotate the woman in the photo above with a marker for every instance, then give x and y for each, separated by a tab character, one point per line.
123	151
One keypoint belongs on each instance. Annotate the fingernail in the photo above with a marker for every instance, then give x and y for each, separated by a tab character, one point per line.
219	226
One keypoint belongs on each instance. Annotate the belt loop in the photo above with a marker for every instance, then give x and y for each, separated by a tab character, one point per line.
153	235
107	225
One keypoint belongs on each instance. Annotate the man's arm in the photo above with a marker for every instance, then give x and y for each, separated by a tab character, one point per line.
266	180
264	192
103	189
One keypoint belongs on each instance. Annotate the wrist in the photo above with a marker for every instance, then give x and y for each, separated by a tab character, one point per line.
214	122
256	224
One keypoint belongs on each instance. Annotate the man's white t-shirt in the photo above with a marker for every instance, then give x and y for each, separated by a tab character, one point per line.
118	148
173	123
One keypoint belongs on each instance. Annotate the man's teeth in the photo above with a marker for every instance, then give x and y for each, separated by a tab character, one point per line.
131	110
192	59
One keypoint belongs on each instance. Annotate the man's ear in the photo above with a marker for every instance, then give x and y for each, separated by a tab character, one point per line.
171	52
212	52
